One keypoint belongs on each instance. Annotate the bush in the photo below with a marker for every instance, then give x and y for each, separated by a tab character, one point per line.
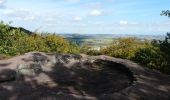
149	56
89	51
124	48
156	56
56	44
165	49
152	54
14	41
31	43
165	46
8	39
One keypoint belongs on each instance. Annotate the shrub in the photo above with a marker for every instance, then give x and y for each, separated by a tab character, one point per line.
14	41
89	51
56	44
8	39
156	56
124	48
31	43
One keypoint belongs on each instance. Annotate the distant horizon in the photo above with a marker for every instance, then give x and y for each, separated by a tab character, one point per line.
113	34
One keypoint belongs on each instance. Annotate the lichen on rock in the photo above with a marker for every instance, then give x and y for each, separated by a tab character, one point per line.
28	69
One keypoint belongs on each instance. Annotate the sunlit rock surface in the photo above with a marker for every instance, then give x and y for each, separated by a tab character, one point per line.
40	76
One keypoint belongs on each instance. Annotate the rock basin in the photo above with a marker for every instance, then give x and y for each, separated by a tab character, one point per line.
93	79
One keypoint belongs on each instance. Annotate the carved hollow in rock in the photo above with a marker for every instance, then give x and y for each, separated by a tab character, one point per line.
93	78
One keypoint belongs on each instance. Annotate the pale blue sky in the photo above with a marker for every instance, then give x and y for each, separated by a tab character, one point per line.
88	16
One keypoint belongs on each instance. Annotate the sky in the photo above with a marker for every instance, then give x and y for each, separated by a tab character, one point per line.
88	16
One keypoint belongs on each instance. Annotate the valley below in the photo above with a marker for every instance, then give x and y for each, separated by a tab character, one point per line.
97	41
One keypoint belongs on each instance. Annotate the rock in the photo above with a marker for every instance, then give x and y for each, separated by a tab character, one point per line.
28	69
7	75
79	77
65	59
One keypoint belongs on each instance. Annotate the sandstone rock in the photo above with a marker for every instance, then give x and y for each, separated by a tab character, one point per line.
7	75
28	69
77	77
65	59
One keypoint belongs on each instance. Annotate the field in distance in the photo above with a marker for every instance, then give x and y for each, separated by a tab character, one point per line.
96	41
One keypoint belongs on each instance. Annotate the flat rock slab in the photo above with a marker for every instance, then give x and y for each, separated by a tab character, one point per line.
80	77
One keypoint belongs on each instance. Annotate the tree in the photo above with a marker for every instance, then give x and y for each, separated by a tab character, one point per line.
166	13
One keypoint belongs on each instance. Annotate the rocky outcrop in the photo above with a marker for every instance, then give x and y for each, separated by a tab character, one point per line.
37	76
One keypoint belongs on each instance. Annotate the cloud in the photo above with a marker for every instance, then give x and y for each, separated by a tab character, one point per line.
2	3
29	18
19	14
77	18
49	19
95	13
123	22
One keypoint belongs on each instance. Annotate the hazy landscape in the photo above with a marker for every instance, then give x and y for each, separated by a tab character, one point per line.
103	40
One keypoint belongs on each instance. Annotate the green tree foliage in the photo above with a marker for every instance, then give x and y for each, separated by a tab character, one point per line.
166	13
56	44
31	43
8	38
150	56
74	48
89	50
15	41
165	46
156	56
165	49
